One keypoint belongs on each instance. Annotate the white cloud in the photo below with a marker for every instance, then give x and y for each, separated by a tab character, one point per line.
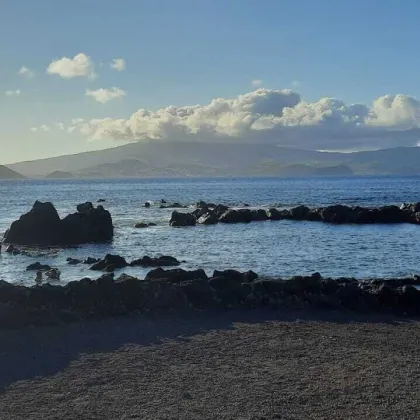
80	65
257	83
60	125
105	95
71	129
16	92
44	127
118	64
34	129
26	73
296	84
273	116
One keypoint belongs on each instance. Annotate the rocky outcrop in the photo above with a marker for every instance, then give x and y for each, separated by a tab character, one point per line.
42	226
110	263
181	290
210	214
182	219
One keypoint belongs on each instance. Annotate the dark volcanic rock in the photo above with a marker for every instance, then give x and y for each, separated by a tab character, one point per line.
209	218
110	263
91	260
163	261
176	275
85	207
237	276
141	225
198	292
73	261
38	266
92	226
42	226
182	219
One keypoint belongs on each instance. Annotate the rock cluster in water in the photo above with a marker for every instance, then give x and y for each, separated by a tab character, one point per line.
180	290
42	226
209	214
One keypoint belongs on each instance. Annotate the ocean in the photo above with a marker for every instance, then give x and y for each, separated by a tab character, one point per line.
272	248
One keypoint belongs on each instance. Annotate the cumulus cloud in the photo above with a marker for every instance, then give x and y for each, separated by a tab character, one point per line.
45	127
279	117
118	64
257	83
16	92
26	73
34	129
80	65
105	95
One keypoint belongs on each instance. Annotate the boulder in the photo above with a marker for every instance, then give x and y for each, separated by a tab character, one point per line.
147	204
85	207
38	266
198	292
236	216
275	214
53	274
162	261
299	213
110	263
73	261
182	219
237	276
93	226
141	225
209	218
176	275
42	226
91	260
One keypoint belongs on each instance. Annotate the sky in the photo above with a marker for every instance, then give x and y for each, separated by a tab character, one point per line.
325	75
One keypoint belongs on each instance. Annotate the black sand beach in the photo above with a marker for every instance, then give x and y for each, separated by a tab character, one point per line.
258	364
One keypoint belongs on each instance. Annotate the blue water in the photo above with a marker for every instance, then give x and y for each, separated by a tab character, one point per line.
282	248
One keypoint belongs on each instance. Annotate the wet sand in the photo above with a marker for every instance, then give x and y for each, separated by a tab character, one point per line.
290	364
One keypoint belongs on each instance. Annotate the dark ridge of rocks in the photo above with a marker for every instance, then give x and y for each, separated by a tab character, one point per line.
162	261
42	226
209	214
181	290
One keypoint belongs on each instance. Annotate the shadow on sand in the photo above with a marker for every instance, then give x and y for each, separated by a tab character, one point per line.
34	352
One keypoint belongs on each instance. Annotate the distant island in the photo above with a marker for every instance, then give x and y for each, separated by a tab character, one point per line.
7	173
204	159
59	175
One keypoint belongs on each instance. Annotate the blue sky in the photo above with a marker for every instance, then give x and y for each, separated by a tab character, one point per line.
188	52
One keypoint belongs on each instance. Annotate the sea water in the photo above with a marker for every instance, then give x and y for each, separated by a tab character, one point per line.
272	248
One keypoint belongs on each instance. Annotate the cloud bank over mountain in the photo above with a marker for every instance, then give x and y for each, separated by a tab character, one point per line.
280	117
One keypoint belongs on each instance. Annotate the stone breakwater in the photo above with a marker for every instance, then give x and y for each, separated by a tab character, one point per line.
189	291
209	214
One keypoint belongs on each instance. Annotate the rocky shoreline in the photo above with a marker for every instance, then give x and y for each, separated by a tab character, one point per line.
178	290
210	214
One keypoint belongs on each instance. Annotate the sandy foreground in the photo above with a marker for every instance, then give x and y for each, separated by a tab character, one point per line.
291	364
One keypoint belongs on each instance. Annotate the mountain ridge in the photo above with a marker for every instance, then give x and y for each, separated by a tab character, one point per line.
158	158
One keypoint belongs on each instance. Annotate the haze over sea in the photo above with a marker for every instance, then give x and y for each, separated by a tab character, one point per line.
272	248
